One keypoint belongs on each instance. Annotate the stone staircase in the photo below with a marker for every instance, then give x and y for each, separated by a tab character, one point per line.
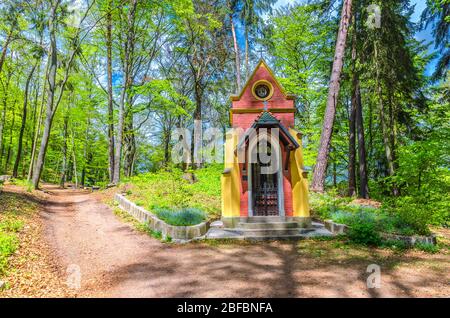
268	228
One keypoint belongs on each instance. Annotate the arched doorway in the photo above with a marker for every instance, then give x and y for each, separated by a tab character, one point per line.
265	177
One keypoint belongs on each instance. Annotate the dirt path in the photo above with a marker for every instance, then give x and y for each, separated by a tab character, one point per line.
116	260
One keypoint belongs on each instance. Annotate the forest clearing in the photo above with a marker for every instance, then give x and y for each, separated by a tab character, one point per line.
225	148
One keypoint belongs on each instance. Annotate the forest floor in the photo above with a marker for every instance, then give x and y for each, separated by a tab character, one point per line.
76	230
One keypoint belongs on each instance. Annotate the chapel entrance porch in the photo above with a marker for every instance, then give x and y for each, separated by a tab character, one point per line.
265	191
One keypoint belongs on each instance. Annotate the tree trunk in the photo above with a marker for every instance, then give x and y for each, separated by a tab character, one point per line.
127	83
247	70
352	124
75	172
37	129
3	118
129	146
196	140
11	131
110	93
237	56
352	145
24	121
363	180
52	60
5	46
52	104
318	182
64	153
387	141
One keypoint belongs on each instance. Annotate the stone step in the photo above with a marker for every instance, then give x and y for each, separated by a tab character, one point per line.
317	225
264	219
269	225
294	237
270	232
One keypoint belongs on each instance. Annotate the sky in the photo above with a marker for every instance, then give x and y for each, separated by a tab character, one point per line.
422	35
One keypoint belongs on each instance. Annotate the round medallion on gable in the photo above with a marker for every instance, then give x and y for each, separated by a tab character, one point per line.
262	90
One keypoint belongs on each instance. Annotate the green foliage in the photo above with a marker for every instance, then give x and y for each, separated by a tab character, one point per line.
324	204
398	245
180	217
301	44
11	225
427	247
406	218
13	216
363	228
413	215
143	227
8	245
168	189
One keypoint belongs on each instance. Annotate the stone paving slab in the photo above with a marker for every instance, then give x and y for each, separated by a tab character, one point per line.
238	234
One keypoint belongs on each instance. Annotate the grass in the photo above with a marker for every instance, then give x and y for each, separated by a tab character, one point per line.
14	210
181	217
168	190
23	183
382	219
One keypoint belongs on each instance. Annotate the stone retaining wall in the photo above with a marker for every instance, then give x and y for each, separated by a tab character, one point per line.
181	233
410	240
337	228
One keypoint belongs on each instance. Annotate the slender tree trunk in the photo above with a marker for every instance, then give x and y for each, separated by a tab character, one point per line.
64	153
75	172
52	103
166	144
5	46
318	182
363	180
85	151
334	173
127	84
110	93
11	131
50	98
247	70
197	137
3	118
352	147
37	130
24	121
385	132
352	123
387	141
129	146
236	55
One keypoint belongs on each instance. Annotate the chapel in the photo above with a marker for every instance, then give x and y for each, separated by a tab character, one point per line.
264	180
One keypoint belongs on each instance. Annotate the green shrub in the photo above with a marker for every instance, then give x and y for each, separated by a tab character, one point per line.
409	215
324	205
180	217
11	225
395	244
343	217
8	245
363	229
427	247
168	189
